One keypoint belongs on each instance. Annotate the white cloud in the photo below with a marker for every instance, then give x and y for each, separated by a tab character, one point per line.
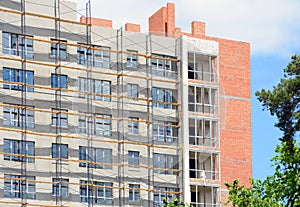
271	26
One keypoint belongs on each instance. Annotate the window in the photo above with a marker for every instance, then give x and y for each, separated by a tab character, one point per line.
59	81
18	76
133	125
100	192
103	124
163	163
132	59
18	116
205	195
96	124
203	100
101	157
18	148
59	49
203	166
163	131
161	193
133	157
97	56
59	150
203	132
60	187
202	67
162	98
86	123
60	118
162	65
15	44
134	193
101	89
133	90
15	186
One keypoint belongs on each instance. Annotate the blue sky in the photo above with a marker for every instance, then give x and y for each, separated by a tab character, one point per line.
272	27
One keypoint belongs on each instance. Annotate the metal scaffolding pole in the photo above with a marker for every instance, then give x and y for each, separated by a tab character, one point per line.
89	103
58	104
120	123
23	104
150	116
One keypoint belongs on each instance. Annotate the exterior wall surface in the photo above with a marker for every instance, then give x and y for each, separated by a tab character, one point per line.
155	88
235	104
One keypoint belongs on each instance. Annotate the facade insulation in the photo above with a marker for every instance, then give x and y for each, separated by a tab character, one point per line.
96	116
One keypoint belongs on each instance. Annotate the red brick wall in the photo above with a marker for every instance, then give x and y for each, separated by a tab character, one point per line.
170	19
235	104
97	22
235	112
163	21
198	29
132	27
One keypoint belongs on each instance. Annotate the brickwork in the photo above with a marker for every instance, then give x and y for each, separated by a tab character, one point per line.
234	78
129	27
198	29
97	22
163	21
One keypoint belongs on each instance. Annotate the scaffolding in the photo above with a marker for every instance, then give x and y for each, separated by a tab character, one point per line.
86	106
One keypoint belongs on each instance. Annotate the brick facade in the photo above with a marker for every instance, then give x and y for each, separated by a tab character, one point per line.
97	22
129	27
234	79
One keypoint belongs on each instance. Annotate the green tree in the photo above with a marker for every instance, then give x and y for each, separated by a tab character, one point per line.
283	187
284	101
175	203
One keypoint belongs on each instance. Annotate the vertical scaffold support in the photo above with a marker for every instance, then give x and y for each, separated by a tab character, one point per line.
150	118
23	104
58	104
89	103
120	125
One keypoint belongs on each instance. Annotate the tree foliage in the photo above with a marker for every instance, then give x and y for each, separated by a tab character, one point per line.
283	187
280	189
284	100
254	196
174	203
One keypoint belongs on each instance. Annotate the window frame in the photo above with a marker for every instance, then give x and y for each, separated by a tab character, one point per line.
134	193
14	186
103	125
86	192
134	158
19	144
96	87
161	65
59	119
58	150
196	67
203	99
94	55
203	132
21	45
163	96
101	156
132	59
132	90
162	193
18	76
15	116
59	81
58	50
162	163
133	125
60	187
162	131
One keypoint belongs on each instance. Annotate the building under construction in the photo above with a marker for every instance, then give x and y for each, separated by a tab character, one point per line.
96	116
